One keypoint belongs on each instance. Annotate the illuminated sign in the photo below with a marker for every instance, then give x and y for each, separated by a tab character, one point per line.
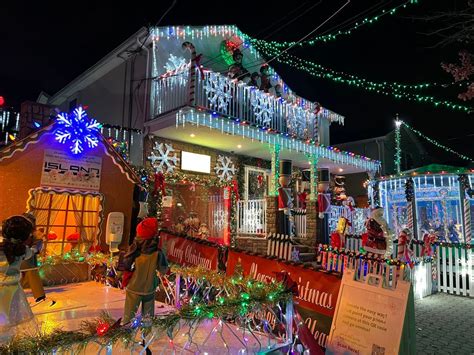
196	162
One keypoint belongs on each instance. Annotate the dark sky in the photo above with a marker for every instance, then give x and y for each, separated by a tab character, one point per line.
44	46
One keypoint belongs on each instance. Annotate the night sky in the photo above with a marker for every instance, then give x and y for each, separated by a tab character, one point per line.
45	46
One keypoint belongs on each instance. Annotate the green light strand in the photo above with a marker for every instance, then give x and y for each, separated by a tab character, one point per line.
436	143
316	71
398	153
333	36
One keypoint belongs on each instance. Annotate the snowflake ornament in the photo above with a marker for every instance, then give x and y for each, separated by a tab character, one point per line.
218	92
163	156
224	168
78	130
262	107
296	120
176	64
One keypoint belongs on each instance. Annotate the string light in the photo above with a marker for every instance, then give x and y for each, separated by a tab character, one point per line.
395	90
333	36
436	143
398	153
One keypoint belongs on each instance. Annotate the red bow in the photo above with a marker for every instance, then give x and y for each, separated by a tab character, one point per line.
428	239
287	282
404	251
198	64
159	183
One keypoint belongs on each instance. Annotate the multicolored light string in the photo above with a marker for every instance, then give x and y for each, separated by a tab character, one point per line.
395	90
333	36
436	143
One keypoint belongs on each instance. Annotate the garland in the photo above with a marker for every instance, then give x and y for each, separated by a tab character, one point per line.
244	295
77	257
364	256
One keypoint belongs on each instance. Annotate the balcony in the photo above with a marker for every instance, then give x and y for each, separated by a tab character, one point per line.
234	99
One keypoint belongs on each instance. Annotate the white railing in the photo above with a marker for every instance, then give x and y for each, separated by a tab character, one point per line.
299	218
251	217
356	216
455	272
217	93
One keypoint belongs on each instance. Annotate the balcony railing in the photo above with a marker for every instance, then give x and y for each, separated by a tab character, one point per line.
221	95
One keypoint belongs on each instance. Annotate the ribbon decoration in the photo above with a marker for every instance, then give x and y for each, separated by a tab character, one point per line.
159	183
302	330
428	239
235	189
198	65
404	252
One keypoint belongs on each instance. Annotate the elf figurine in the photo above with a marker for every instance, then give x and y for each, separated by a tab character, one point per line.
285	199
377	240
338	237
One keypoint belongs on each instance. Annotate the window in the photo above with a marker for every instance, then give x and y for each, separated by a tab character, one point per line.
69	221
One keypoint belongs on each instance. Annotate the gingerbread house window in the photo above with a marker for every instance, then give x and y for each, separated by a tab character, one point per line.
70	221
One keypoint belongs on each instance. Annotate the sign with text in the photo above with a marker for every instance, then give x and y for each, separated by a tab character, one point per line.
186	252
60	170
369	318
318	291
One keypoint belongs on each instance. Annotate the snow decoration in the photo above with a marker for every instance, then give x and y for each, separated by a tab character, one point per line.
262	107
163	156
176	64
76	128
224	168
220	218
296	120
218	92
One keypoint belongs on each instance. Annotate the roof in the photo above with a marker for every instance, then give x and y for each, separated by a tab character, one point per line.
102	67
21	145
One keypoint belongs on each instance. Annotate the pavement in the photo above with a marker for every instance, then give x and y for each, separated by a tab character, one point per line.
445	325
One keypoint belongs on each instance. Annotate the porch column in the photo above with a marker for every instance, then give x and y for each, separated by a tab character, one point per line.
311	207
275	166
272	198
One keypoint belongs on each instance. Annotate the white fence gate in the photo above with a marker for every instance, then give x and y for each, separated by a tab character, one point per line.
251	217
299	218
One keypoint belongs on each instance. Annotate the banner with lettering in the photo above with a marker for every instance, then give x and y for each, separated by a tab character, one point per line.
61	170
318	291
186	252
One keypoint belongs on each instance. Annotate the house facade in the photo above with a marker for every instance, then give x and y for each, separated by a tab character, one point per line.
201	110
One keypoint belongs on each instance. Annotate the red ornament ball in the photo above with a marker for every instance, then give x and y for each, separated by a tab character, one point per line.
2	101
102	328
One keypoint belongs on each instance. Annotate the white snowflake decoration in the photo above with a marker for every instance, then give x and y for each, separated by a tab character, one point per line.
220	218
163	156
77	129
176	64
224	168
296	120
218	92
262	107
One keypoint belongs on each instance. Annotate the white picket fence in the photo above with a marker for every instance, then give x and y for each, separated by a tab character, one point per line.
299	218
251	217
280	245
452	270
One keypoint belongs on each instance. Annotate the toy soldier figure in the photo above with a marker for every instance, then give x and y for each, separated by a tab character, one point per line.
285	199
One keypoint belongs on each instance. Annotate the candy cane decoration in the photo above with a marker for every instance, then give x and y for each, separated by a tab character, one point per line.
192	71
467	221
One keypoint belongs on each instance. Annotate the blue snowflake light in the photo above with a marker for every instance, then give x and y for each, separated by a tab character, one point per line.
78	130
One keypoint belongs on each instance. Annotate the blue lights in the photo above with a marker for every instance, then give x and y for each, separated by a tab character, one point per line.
78	130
